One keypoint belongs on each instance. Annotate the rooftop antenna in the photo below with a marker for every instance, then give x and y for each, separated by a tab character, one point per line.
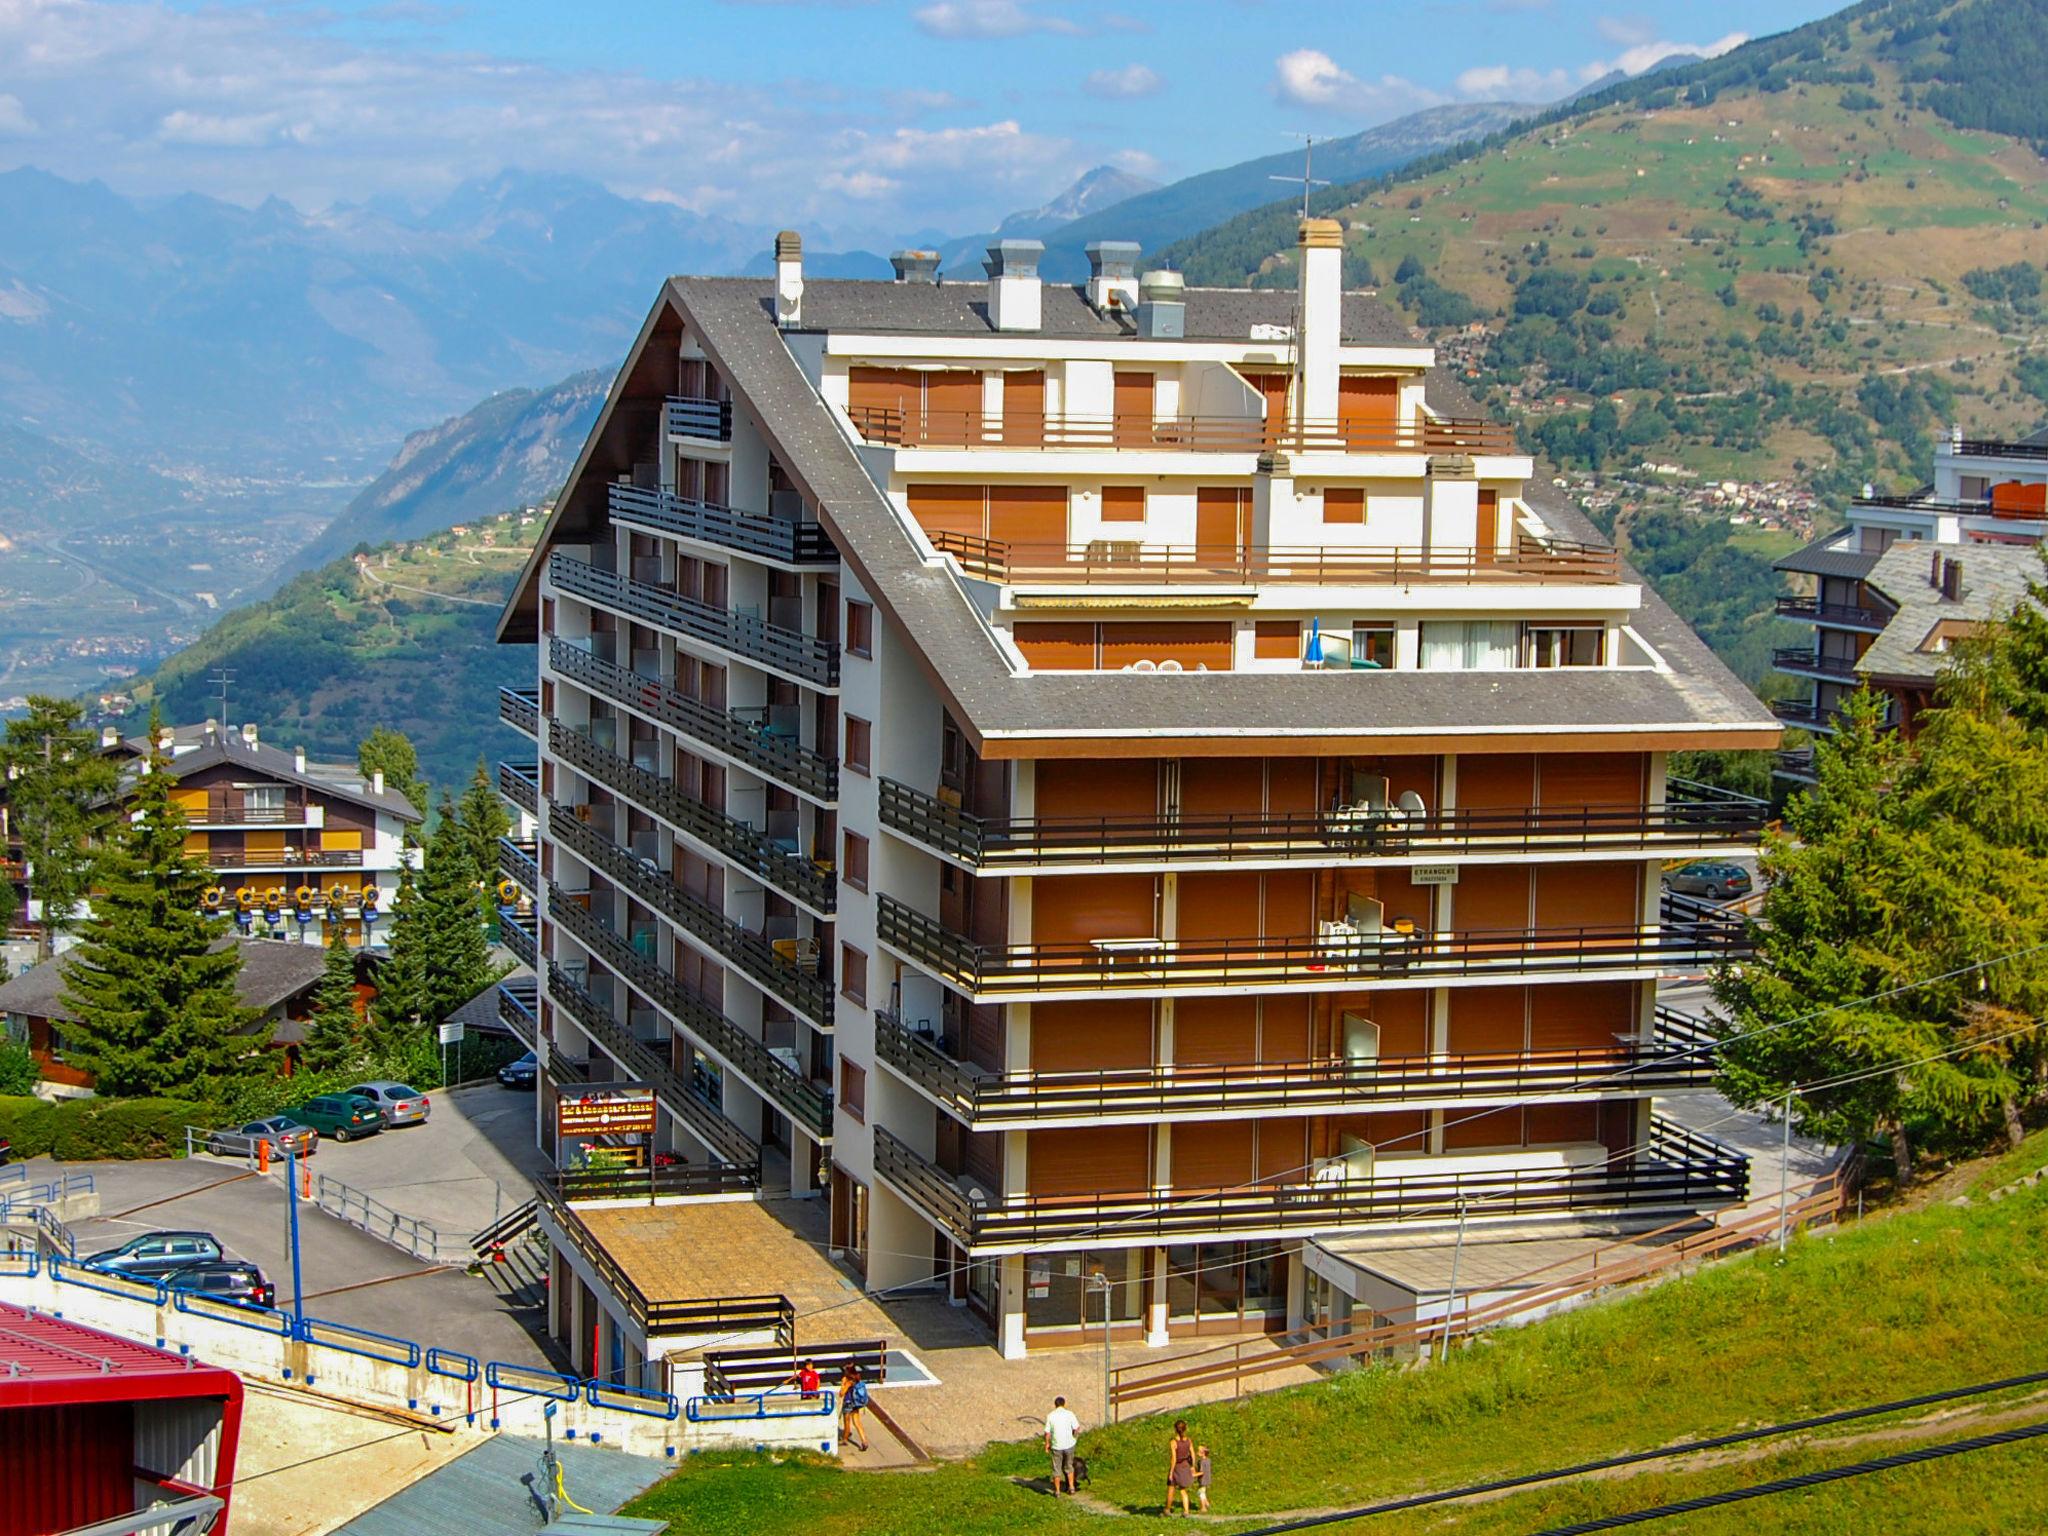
221	678
1308	184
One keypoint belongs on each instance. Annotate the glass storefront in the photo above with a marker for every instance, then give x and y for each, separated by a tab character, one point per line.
1210	1282
1059	1293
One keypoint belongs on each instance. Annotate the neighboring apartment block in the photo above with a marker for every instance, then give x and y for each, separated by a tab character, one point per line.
1132	810
1985	514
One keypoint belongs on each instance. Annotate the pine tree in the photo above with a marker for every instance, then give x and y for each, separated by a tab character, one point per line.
454	912
484	820
401	1001
150	987
333	1041
59	790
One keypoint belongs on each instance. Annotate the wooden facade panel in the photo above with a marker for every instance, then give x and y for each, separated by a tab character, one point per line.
1488	1021
1079	786
1566	779
1490	898
1222	786
1588	895
1551	1125
1583	1016
1493	1128
1087	907
1089	1159
1091	1036
1220	904
1503	781
1213	1154
1215	1031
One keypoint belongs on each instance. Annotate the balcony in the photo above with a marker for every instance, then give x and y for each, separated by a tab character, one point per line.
699	417
646	1061
1992	448
519	1009
518	938
1805	714
1677	1171
1794	763
229	860
892	427
787	651
521	785
222	814
520	709
1802	661
1119	563
749	533
516	863
808	1105
758	746
1695	816
1836	615
753	955
1678	1056
1340	958
749	850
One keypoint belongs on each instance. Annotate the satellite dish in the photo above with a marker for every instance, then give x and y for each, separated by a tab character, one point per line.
1410	802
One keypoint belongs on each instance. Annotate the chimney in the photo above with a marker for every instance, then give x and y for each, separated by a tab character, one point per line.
1015	299
110	736
1162	307
166	739
1934	570
1113	274
1952	580
298	759
1322	317
1450	503
249	735
377	782
915	266
789	278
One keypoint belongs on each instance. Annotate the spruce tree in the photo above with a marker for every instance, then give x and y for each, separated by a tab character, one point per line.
59	792
484	820
151	992
454	911
402	979
333	1042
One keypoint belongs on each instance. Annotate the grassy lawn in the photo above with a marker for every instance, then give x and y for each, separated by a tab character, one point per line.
1893	1306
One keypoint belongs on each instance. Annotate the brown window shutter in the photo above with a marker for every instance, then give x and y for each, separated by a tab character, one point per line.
1123	503
1343	504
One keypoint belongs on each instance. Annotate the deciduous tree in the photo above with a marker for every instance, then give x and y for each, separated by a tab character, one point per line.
392	754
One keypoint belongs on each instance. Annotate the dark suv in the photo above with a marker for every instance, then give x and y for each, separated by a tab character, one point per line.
225	1280
157	1254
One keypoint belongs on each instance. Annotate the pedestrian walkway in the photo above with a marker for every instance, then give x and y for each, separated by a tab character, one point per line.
486	1492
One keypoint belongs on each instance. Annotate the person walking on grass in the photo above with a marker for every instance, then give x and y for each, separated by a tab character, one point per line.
1062	1435
1180	1467
853	1400
1202	1476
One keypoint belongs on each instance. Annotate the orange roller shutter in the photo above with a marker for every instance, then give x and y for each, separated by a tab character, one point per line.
1222	786
959	509
1581	1016
952	406
1284	1024
1552	1125
1403	1018
1029	518
1079	908
1488	1021
1343	504
1056	647
1272	388
1495	1128
1367	409
1277	640
1496	781
1134	396
1222	520
1491	898
1217	1156
1093	1160
1091	1036
1123	503
1218	905
883	402
1283	1152
1215	1031
1192	645
1587	895
1567	779
1024	408
1081	786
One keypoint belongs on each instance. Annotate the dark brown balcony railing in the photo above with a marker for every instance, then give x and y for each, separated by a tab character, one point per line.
699	416
516	863
750	533
520	709
1995	448
1689	939
648	1064
1802	659
1839	615
748	848
1695	814
898	428
517	937
752	954
1678	1170
768	752
739	634
1113	562
1793	763
805	1102
222	814
519	1009
521	785
1679	1055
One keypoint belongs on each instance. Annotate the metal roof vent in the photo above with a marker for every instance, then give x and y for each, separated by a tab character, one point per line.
789	278
1113	274
915	266
1162	306
1015	297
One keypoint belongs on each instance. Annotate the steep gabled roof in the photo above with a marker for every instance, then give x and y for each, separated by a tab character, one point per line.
272	762
273	971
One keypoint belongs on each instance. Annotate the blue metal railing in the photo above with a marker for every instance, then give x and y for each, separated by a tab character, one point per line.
758	1405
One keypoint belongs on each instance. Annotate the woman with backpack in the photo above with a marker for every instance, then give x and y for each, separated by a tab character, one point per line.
853	1399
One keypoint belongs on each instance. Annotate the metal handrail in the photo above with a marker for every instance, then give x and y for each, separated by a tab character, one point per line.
1802	658
517	862
698	416
520	785
769	537
899	428
520	709
1816	611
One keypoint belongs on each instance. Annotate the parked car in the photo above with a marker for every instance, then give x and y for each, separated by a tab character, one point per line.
401	1105
521	1073
154	1255
344	1116
1710	878
281	1132
225	1280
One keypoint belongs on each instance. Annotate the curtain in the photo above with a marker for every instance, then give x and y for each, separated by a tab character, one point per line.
1477	646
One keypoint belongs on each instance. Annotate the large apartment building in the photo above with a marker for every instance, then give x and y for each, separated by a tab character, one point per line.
1121	804
1979	523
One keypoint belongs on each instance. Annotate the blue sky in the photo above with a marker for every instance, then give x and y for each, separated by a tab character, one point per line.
865	119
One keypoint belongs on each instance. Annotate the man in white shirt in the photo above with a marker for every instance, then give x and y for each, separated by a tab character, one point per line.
1062	1434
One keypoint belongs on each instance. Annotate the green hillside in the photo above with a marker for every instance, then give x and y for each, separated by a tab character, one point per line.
401	636
1796	261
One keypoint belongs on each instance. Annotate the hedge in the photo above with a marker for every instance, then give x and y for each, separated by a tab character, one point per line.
80	1130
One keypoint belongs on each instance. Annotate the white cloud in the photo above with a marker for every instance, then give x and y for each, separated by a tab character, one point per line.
1507	82
1625	30
1132	80
986	18
1634	60
248	131
1308	78
14	119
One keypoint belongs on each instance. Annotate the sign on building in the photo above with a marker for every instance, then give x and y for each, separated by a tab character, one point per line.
1434	874
605	1112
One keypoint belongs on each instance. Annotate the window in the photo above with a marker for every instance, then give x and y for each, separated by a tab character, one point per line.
1343	503
263	799
853	1089
860	737
853	862
1123	503
1372	646
1469	646
853	973
1277	640
860	628
1566	645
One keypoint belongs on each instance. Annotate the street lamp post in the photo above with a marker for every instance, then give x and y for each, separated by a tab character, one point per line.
291	1179
1457	1252
1095	1278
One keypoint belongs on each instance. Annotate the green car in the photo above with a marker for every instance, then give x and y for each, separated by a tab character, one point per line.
344	1116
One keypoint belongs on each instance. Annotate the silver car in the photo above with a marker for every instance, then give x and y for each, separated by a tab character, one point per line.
402	1105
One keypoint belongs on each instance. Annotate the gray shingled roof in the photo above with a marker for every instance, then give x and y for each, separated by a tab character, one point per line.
733	320
273	970
1995	578
273	762
1829	556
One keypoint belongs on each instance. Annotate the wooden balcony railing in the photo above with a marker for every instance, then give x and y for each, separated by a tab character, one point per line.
519	1009
1695	814
750	533
699	416
739	634
1840	615
1114	562
1689	939
1802	659
898	428
520	709
521	785
1677	1170
1679	1055
518	938
221	814
748	848
516	863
